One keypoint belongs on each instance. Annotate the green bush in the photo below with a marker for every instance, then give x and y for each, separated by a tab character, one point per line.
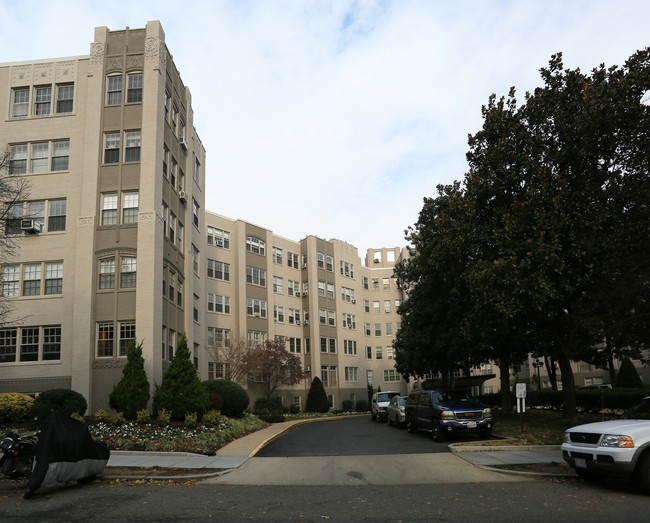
181	390
75	416
190	419
15	406
143	416
211	418
131	393
627	376
294	409
361	406
273	405
65	401
228	397
118	419
102	416
317	398
273	417
348	405
164	417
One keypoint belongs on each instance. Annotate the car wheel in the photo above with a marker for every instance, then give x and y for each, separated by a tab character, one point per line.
436	432
378	418
643	472
372	417
410	427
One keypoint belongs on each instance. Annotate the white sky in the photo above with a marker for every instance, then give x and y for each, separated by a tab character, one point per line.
336	118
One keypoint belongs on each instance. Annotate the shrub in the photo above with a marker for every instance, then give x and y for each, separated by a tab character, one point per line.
348	405
190	419
211	418
273	417
102	416
15	406
164	417
627	376
227	396
118	419
181	390
271	405
131	393
294	409
316	398
75	416
361	406
143	416
65	401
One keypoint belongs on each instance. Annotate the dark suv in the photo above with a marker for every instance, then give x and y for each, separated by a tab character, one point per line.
444	411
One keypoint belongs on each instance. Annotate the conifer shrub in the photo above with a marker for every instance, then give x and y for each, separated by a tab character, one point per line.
164	418
15	406
317	398
190	419
102	416
181	391
65	401
628	377
131	393
227	396
143	416
211	418
118	419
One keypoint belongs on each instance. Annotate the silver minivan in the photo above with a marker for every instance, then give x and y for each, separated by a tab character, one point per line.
379	404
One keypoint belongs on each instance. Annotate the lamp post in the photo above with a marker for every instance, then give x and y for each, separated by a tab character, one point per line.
536	365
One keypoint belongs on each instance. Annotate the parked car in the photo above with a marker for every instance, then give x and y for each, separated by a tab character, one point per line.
395	412
598	386
379	404
616	448
445	411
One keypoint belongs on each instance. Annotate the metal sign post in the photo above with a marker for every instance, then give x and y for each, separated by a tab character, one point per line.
521	402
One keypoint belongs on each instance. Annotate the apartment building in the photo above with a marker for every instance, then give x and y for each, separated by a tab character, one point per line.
115	207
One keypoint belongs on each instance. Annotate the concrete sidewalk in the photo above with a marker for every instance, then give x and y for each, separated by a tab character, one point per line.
238	452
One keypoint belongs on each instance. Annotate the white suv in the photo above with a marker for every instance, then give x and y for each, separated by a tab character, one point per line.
379	404
612	448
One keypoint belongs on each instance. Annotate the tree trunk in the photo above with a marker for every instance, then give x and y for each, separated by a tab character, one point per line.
610	360
506	399
550	370
569	411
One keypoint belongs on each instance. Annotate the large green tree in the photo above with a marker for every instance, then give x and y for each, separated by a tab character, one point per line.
131	393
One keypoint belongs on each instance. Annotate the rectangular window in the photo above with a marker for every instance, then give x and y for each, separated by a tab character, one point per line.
330	318
389	329
56	216
387	306
10	280
112	148
128	273
375	307
218	303
39	158
292	260
195	308
172	227
323	344
114	86
278	285
105	336
218	270
195	259
8	345
320	260
322	314
43	101
130	204
109	209
195	213
134	88
64	98
18	159
278	313
352	374
256	308
332	345
255	245
107	273
256	276
218	238
330	291
377	329
329	263
277	255
127	333
132	146
366	328
54	278
378	351
350	347
369	353
20	105
29	341
60	156
32	279
391	375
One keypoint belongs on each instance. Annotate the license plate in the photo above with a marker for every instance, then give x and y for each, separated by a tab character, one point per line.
581	463
471	424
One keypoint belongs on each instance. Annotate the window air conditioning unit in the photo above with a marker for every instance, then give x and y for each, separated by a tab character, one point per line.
304	265
183	142
377	260
297	322
219	243
354	301
257	314
31	226
297	295
306	322
307	368
182	196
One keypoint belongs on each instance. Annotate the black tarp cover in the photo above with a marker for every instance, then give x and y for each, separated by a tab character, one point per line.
66	452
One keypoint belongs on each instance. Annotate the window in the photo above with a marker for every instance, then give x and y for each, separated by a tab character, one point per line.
32	279
54	278
8	344
218	337
174	123
128	273
165	160
172	227
218	238
109	209
105	336
369	353
391	375
333	377
127	333
114	86
349	321
60	156
366	329
324	375
255	245
256	276
294	316
386	283
378	352
329	263
387	306
179	236
292	260
218	270
130	203
352	374
64	98
321	288
134	88
293	288
323	344
112	148
390	351
195	307
364	282
330	318
18	159
29	342
107	273
277	255
375	307
168	101
20	105
10	280
322	314
332	345
132	146
43	101
278	313
218	303
196	175
389	329
195	259
347	295
320	257
39	159
172	173
195	213
56	216
277	284
256	308
330	291
366	306
377	329
350	347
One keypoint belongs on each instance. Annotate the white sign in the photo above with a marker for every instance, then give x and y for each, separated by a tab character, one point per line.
521	390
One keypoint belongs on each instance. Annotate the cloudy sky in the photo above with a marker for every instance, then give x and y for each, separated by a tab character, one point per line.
336	118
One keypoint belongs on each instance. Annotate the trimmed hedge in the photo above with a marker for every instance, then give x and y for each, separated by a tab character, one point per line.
15	406
65	401
228	397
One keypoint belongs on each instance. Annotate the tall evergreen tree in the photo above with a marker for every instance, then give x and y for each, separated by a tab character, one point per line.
131	393
317	398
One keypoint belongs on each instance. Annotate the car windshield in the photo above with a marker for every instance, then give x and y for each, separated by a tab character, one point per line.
401	401
639	411
385	396
454	395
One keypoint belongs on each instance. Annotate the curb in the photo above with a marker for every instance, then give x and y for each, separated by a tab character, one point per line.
459	447
524	473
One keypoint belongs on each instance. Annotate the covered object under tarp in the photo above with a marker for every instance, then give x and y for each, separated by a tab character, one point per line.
66	452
